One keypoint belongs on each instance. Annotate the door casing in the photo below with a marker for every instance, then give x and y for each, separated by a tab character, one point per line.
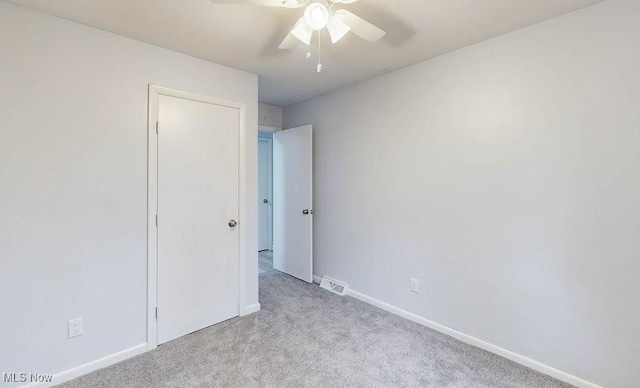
152	200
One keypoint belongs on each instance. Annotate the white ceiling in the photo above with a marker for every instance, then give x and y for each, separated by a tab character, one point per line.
247	37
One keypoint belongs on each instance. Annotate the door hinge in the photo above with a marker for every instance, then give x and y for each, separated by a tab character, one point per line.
156	220
156	313
157	125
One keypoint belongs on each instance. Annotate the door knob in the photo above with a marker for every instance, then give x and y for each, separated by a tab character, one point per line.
233	223
265	200
307	212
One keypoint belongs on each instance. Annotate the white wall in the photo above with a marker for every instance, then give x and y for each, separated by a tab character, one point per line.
73	184
506	177
270	116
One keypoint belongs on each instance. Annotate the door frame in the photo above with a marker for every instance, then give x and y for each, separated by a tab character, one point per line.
270	142
152	201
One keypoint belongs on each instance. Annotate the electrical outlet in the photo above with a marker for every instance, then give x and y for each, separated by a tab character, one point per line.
415	285
75	327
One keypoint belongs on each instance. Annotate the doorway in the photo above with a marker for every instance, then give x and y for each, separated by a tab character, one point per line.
285	202
265	191
265	203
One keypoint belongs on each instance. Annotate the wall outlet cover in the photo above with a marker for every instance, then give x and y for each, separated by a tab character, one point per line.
75	327
415	285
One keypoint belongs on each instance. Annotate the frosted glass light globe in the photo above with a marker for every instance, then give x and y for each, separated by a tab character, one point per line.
317	16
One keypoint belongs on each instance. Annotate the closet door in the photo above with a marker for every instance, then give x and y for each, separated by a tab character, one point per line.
198	243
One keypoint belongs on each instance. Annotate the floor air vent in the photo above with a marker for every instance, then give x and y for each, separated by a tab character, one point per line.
333	286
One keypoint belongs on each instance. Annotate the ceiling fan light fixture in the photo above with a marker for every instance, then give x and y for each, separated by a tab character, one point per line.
337	28
302	31
292	3
317	16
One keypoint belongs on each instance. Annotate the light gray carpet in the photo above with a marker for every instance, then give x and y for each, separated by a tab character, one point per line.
307	337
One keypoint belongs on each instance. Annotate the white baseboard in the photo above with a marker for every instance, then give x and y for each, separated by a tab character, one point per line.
111	359
254	308
78	371
535	365
100	363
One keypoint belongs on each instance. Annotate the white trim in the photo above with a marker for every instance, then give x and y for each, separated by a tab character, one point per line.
242	206
254	308
311	199
152	206
152	201
267	128
522	360
89	367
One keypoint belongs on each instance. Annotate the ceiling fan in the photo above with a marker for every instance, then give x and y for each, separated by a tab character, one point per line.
318	15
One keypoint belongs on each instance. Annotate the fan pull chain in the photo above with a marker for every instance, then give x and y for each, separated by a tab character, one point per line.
319	68
309	45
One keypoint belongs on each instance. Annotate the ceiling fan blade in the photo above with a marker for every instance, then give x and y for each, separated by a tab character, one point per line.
265	3
288	42
337	28
360	27
302	31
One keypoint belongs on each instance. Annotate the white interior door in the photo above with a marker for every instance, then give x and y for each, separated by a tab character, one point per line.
264	194
197	197
293	202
